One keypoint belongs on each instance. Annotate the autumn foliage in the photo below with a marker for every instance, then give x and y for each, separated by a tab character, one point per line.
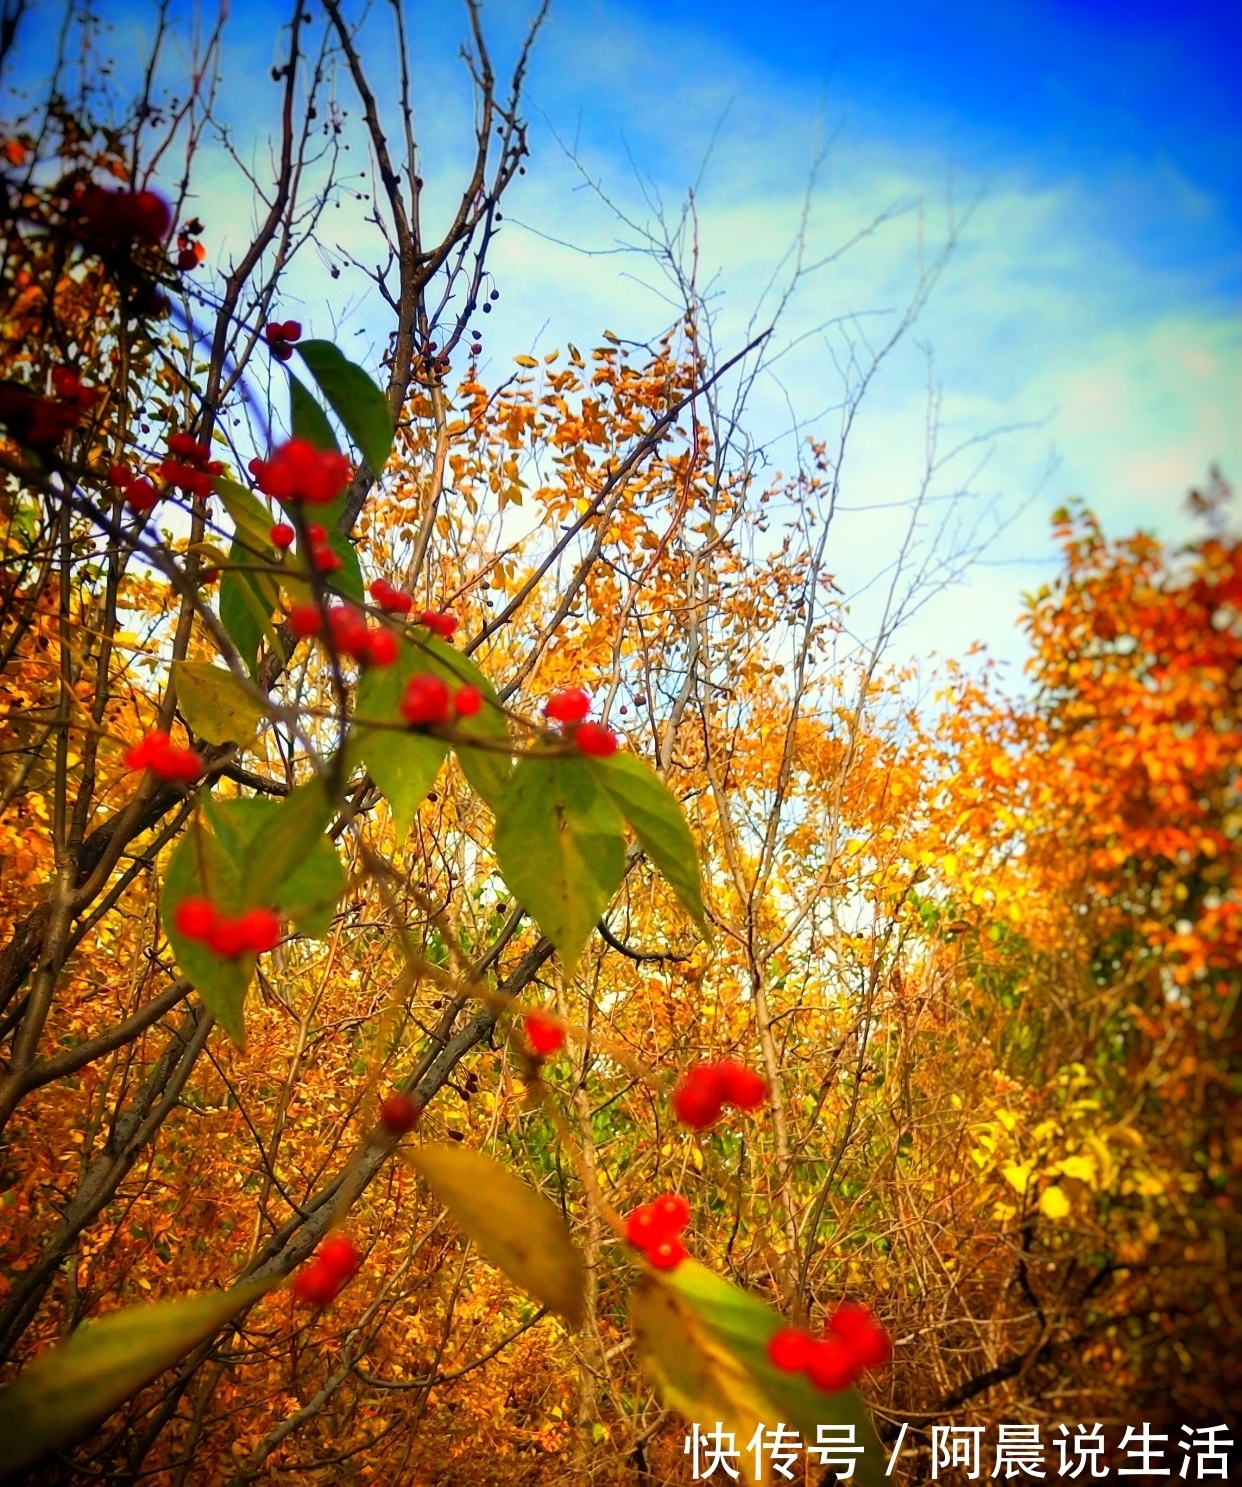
468	925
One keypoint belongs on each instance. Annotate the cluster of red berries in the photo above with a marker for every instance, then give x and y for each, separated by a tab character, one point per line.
700	1098
656	1229
139	490
427	701
392	600
297	471
399	1113
443	625
115	219
322	557
853	1341
166	760
322	1279
347	631
190	252
42	422
544	1036
280	336
569	709
255	932
189	466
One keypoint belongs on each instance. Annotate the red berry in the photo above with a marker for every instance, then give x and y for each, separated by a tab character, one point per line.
399	603
790	1349
697	1099
305	620
282	535
315	534
175	765
596	740
741	1086
151	216
381	648
467	701
141	494
227	938
542	1033
666	1254
324	560
641	1228
442	625
567	707
399	1113
316	1285
120	475
347	628
297	471
194	918
861	1334
830	1366
425	701
339	1255
381	591
671	1212
261	930
291	330
282	351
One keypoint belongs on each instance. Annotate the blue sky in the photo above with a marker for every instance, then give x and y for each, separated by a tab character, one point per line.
1093	300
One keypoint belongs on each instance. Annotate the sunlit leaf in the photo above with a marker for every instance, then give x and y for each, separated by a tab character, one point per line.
354	398
75	1384
514	1226
659	823
560	848
214	703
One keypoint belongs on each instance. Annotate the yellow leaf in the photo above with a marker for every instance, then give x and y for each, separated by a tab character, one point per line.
1083	1168
526	361
1017	1175
1053	1203
514	1226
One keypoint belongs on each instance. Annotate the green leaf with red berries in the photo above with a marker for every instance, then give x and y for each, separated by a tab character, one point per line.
513	1226
72	1386
560	845
659	823
744	1325
250	854
403	763
200	867
354	398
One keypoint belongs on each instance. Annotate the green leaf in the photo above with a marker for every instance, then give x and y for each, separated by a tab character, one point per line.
74	1385
309	893
200	867
354	398
251	518
214	703
347	579
560	848
294	828
247	601
694	1373
308	419
744	1325
514	1227
659	823
403	765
